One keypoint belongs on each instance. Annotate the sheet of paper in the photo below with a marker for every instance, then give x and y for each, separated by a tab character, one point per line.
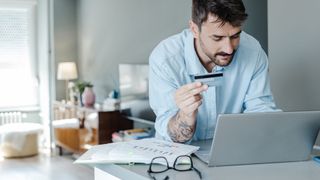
97	154
138	151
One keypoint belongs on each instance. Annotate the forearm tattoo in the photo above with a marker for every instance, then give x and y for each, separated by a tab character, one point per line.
180	131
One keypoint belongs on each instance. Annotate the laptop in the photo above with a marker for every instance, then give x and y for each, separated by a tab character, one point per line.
255	138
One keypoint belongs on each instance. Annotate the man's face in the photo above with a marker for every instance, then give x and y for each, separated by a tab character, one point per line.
216	43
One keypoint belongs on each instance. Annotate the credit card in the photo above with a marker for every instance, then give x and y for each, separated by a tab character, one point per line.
211	79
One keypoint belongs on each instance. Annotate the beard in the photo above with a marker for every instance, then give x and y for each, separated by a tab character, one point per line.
221	58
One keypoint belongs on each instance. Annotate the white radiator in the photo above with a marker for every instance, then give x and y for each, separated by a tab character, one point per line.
10	117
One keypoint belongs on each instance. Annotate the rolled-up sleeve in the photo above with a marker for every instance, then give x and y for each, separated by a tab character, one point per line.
161	95
259	97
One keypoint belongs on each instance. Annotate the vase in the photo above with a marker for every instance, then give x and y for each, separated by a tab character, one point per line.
79	99
88	97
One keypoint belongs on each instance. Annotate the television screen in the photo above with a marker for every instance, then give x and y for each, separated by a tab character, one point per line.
134	91
133	81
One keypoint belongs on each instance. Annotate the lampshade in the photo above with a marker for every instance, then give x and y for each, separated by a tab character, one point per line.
67	71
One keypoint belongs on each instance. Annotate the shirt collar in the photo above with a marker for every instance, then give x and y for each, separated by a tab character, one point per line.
193	64
218	68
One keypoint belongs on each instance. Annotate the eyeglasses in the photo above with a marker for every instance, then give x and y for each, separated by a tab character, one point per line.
182	163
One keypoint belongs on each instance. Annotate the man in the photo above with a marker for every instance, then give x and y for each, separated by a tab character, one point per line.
214	43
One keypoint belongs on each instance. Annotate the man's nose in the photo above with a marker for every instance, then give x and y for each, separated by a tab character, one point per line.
227	46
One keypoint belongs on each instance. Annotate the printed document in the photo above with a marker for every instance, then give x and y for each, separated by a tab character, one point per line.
137	151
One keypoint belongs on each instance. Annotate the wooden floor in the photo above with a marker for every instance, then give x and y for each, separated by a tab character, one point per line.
44	167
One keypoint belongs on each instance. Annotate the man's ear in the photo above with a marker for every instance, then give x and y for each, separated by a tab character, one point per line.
194	29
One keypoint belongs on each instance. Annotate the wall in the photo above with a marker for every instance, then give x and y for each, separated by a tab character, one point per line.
122	31
294	53
257	23
65	37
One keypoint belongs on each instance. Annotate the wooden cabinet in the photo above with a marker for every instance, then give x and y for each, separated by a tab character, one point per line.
78	139
110	122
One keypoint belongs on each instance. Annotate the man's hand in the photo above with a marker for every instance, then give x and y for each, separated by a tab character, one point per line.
188	98
182	126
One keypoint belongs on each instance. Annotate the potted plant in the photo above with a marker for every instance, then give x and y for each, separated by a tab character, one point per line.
81	87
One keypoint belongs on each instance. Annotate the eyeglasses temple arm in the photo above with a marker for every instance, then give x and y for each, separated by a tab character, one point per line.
199	173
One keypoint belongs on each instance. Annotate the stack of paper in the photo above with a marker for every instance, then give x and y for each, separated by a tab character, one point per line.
138	151
132	134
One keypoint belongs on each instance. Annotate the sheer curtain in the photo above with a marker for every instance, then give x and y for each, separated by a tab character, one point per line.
18	71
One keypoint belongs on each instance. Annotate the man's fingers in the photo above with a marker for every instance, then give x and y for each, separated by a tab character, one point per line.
182	94
185	88
188	97
199	90
192	108
186	102
191	86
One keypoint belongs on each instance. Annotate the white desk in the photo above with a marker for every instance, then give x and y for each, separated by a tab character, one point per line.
307	170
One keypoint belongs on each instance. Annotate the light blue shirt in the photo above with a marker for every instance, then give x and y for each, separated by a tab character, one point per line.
244	87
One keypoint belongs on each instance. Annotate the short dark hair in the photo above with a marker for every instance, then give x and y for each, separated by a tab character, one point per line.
227	11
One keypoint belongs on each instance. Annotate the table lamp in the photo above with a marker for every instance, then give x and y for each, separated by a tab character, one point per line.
67	71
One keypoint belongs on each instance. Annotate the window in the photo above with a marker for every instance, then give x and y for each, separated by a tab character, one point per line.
18	67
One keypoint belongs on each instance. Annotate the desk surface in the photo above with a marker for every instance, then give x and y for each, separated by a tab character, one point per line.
293	170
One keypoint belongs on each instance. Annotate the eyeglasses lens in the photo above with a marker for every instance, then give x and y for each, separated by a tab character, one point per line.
183	163
159	165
